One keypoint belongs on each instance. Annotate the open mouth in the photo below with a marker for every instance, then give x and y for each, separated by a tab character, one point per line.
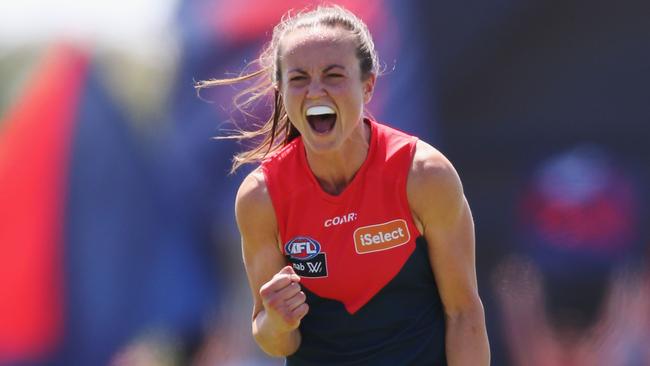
321	118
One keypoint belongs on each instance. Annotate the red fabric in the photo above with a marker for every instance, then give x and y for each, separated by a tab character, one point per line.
34	143
376	196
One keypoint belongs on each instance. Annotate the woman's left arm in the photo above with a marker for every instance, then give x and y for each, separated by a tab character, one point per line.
443	215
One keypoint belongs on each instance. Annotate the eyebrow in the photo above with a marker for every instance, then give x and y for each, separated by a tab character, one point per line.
328	68
332	66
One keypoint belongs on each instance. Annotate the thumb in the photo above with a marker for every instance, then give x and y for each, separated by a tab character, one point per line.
288	270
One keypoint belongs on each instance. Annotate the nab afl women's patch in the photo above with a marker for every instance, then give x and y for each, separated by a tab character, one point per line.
374	238
306	257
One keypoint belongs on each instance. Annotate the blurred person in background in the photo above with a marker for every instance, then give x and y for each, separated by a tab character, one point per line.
576	291
332	269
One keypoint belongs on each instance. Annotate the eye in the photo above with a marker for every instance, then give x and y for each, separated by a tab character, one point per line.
297	78
334	75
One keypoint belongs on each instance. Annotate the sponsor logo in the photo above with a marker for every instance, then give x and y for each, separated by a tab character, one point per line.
338	220
306	257
313	268
374	238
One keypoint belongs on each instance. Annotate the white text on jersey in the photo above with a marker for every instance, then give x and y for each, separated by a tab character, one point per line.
338	220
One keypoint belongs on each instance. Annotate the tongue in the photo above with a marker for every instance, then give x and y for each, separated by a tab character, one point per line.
322	123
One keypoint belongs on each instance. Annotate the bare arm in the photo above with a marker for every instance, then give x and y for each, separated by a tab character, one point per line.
442	213
279	303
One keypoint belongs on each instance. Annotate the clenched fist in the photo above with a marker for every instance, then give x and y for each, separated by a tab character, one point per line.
283	300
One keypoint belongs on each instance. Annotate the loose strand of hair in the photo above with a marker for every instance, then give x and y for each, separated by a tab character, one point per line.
202	84
276	111
270	131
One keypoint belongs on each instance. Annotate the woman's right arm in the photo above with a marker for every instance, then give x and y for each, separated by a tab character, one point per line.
279	303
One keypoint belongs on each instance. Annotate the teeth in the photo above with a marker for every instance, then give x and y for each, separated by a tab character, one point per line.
319	109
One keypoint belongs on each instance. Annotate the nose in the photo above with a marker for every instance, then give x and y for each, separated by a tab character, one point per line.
315	89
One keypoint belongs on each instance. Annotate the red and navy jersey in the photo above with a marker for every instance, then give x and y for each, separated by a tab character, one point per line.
364	264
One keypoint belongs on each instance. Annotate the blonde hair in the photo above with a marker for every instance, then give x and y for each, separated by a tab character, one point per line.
277	130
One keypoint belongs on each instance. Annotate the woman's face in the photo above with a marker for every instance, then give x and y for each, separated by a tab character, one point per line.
322	86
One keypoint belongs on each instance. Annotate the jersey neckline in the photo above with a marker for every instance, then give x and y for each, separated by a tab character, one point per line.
357	176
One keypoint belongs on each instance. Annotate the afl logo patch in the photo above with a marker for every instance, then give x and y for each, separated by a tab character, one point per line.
306	257
302	248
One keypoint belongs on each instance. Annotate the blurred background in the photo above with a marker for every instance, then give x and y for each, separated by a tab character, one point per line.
118	244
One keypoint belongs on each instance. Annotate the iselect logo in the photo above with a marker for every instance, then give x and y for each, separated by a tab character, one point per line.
374	238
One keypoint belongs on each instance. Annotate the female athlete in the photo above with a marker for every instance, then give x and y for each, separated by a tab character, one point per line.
357	239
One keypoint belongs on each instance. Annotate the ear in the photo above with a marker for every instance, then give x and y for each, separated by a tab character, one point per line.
369	87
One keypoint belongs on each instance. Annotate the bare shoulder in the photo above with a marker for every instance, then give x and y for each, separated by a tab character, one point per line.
252	190
431	170
434	186
253	205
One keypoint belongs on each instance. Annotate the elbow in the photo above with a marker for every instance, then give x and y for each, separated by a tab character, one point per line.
470	313
274	344
269	349
272	348
466	334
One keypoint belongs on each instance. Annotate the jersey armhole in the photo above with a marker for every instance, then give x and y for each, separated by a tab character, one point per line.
270	187
403	184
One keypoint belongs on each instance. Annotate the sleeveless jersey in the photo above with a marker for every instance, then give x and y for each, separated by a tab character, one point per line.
364	266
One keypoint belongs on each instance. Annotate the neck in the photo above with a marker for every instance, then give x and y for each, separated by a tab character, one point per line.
335	170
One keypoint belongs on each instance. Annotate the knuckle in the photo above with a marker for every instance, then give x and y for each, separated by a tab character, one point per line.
265	291
294	288
274	303
288	318
301	310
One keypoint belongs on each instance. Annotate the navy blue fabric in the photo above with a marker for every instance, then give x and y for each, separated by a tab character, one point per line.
402	325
